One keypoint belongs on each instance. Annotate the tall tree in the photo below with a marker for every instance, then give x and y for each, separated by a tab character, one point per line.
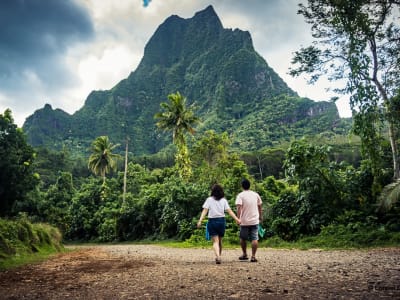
212	147
210	155
102	160
180	119
16	171
358	41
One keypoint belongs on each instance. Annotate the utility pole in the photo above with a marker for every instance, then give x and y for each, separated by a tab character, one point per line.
126	170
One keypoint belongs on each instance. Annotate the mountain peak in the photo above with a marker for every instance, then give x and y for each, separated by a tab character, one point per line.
174	38
208	11
209	16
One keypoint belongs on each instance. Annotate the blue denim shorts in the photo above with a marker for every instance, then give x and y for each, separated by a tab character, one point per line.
216	226
249	233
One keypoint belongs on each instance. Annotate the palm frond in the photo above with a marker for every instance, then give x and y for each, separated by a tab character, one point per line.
389	196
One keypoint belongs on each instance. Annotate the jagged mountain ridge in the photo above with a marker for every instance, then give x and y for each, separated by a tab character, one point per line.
233	86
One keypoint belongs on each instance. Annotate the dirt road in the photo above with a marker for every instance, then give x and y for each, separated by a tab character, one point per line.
155	272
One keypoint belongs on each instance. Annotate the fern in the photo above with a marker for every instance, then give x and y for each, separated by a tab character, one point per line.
389	196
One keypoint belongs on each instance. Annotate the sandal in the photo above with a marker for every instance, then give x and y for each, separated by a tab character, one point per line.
218	261
253	259
243	257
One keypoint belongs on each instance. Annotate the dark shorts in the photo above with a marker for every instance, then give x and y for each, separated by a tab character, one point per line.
249	233
216	226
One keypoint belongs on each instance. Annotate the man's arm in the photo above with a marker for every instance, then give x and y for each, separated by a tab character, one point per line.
260	215
239	210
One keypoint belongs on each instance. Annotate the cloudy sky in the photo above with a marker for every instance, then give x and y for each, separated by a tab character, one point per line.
58	51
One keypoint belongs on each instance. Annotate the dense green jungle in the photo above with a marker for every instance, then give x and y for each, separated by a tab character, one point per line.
315	186
137	161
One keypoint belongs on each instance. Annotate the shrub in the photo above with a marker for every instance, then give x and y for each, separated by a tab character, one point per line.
20	237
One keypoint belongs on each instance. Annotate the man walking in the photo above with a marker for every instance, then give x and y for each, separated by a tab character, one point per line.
249	211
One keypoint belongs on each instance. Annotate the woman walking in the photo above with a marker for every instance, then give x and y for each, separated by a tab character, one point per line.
216	205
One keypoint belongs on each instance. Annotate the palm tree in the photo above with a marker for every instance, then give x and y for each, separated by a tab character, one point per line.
102	160
179	119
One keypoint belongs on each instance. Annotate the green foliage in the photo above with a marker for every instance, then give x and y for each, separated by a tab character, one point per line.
49	163
56	201
268	162
320	197
160	160
82	210
284	220
325	189
211	148
282	119
21	237
17	177
389	196
352	229
180	204
355	236
341	237
140	218
210	157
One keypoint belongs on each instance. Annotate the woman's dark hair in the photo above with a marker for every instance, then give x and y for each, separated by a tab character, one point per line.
245	184
217	192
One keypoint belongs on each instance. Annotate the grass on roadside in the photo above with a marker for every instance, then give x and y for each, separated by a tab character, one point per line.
27	258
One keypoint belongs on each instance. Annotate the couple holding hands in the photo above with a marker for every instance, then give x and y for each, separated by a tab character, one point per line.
249	211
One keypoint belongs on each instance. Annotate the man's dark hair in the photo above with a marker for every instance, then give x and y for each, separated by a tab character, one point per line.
217	192
245	184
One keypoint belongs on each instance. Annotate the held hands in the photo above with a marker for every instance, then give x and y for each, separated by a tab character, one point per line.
237	220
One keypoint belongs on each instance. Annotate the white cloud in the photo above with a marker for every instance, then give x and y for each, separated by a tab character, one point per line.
105	71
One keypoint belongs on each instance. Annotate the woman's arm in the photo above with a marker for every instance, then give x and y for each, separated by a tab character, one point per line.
232	214
203	214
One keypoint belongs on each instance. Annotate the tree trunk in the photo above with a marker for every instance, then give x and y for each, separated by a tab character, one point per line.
259	166
384	95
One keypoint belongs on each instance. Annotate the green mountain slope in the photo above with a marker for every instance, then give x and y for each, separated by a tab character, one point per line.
232	85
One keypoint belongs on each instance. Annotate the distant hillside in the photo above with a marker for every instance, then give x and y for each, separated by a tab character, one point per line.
233	86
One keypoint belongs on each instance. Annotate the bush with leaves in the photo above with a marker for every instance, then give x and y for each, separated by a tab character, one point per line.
325	190
140	216
56	202
94	211
180	203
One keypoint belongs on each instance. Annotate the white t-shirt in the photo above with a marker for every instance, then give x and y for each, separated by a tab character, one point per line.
249	200
216	208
